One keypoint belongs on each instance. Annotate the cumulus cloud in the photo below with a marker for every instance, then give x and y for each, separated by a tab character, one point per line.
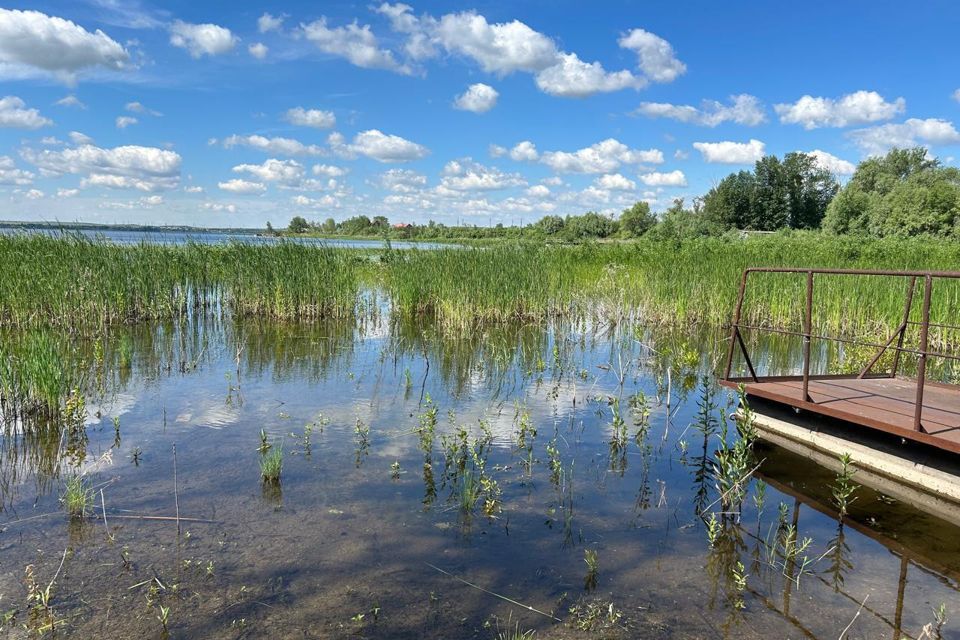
123	122
603	157
286	172
538	191
34	194
524	151
478	98
310	118
70	101
79	138
377	145
10	175
355	43
573	78
402	180
267	23
656	57
276	146
15	114
467	175
193	189
743	109
34	40
731	152
202	39
67	193
615	182
913	132
323	202
258	50
666	179
242	187
860	107
498	48
509	47
832	163
136	107
126	167
328	170
219	207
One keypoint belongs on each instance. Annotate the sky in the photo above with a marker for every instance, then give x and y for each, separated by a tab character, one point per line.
232	114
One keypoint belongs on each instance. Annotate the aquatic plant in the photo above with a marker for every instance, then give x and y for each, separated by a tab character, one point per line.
271	465
844	487
77	498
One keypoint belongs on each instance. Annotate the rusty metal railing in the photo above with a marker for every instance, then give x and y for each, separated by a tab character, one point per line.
922	350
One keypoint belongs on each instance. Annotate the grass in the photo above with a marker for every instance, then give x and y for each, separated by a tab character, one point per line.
271	466
77	498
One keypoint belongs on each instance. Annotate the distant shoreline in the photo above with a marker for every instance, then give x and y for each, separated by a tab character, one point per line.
145	228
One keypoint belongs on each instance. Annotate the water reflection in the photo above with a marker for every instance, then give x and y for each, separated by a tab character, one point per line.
559	464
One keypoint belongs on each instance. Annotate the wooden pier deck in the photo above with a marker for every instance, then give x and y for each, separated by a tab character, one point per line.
883	403
917	409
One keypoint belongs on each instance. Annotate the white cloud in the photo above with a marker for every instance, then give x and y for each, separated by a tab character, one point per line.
538	191
34	194
310	118
666	179
218	207
136	107
496	151
70	101
860	107
466	175
553	181
151	201
9	174
125	121
573	78
67	193
267	22
743	109
524	151
615	182
403	180
328	170
420	43
603	157
193	189
51	141
323	202
478	98
258	50
832	163
379	146
79	138
202	39
656	57
354	43
276	146
731	152
126	167
34	40
15	114
242	187
286	172
498	48
913	132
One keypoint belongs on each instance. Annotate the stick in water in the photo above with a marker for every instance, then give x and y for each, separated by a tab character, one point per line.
496	595
176	497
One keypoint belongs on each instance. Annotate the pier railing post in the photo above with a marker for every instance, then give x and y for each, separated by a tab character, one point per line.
924	347
735	330
807	331
907	307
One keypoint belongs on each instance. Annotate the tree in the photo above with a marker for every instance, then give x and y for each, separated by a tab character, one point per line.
589	225
904	193
550	225
329	226
270	230
298	225
637	220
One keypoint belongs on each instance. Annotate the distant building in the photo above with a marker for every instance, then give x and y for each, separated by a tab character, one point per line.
401	225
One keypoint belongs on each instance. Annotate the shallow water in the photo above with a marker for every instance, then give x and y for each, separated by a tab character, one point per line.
364	535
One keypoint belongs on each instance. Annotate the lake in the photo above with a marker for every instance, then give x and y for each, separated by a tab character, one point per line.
556	478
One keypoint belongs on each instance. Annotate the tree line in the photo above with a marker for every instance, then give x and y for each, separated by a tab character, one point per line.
905	193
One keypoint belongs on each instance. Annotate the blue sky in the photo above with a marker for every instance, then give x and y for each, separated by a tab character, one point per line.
211	114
